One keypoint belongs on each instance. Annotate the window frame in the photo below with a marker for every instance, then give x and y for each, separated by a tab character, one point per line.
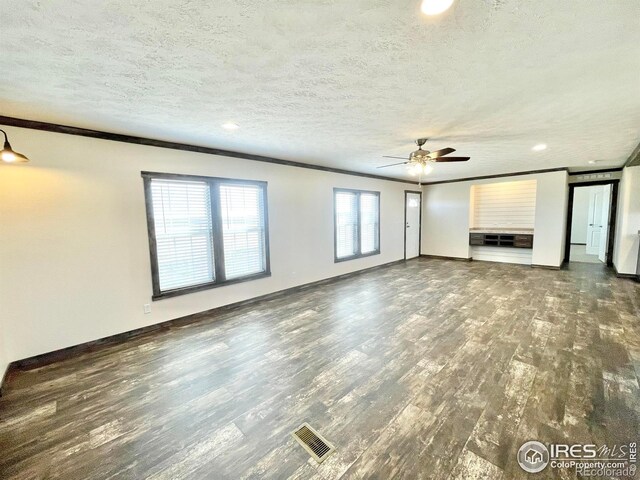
216	219
358	254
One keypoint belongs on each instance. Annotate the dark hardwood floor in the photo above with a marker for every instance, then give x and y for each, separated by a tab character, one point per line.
427	369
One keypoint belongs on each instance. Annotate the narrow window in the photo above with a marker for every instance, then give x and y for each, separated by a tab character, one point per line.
369	226
183	233
346	212
243	230
357	223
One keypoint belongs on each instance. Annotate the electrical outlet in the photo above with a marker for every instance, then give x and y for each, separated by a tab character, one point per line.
147	308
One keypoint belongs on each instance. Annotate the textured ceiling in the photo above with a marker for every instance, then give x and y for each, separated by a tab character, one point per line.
337	82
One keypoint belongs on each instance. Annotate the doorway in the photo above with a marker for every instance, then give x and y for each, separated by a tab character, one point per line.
412	223
591	222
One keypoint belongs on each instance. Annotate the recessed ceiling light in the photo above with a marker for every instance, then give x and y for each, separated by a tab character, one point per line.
230	126
434	7
539	147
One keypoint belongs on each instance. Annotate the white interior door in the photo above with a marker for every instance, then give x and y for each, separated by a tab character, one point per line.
594	226
412	227
604	221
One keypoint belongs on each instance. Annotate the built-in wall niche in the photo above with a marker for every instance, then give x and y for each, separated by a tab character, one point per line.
504	205
502	221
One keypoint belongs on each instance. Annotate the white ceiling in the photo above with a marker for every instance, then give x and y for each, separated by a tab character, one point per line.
335	82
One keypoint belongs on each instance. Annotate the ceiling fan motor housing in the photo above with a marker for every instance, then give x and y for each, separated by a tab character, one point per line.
419	155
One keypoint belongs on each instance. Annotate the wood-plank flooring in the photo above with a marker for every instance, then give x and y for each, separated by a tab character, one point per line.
426	369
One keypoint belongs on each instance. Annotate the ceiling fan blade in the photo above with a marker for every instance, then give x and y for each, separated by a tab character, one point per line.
393	164
441	153
451	159
389	156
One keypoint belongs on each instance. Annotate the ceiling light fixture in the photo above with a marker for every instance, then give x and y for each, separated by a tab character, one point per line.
8	155
540	147
420	169
435	7
230	126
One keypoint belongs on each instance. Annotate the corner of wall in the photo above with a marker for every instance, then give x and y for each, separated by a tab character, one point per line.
627	240
551	219
565	214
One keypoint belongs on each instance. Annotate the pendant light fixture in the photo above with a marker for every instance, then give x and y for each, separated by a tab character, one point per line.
435	7
7	154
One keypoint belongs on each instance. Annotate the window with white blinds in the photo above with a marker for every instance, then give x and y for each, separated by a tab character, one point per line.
369	226
357	223
346	206
183	233
243	229
204	232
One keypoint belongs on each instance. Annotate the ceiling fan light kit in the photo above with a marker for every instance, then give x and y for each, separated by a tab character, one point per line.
419	160
435	7
420	169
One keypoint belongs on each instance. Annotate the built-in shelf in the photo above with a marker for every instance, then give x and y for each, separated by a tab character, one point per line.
501	221
501	238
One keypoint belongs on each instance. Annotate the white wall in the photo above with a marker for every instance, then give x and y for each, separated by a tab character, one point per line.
580	215
446	217
628	222
74	254
551	219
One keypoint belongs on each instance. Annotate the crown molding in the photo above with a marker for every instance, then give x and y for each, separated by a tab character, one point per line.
500	175
118	137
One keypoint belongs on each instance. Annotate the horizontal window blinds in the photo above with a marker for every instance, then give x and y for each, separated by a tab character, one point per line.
183	233
243	229
369	227
346	212
205	231
357	223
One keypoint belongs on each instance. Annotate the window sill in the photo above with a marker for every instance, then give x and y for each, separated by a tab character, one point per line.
354	257
207	286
